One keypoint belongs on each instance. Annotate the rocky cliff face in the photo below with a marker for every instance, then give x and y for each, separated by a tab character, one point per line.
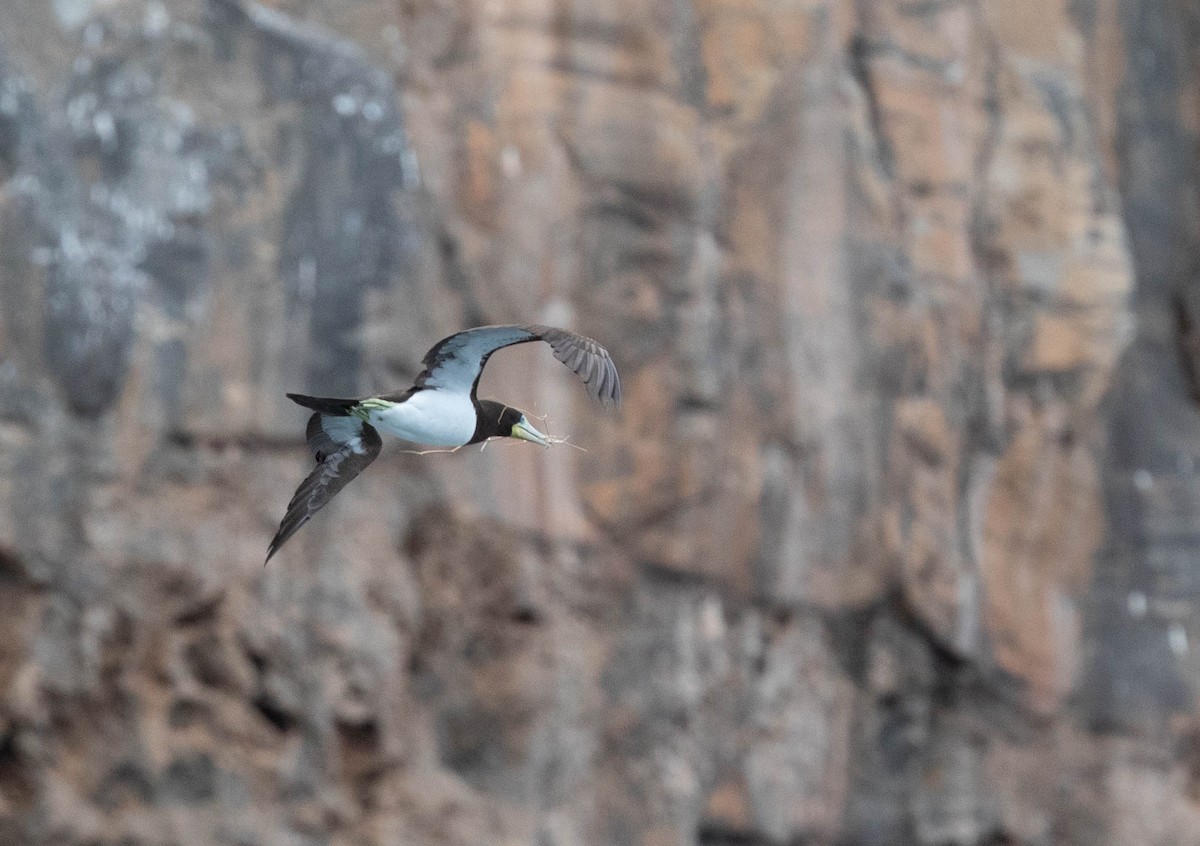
894	543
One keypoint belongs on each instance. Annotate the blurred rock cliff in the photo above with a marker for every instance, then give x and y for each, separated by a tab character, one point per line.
896	541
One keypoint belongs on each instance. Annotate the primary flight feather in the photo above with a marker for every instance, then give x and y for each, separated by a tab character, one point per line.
441	409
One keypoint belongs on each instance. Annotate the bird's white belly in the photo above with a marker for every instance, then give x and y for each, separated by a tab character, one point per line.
430	417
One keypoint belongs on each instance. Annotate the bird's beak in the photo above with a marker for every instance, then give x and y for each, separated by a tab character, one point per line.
522	430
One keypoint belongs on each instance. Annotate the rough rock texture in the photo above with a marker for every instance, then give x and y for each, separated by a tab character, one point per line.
894	543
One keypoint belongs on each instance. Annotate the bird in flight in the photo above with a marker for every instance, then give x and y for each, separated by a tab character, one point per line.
439	410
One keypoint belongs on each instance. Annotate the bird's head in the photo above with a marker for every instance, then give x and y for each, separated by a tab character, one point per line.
503	421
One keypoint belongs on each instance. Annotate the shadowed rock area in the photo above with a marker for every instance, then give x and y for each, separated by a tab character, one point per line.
894	542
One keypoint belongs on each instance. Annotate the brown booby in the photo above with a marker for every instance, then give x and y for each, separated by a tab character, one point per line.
439	410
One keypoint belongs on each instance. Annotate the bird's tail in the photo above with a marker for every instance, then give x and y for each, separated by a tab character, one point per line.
325	405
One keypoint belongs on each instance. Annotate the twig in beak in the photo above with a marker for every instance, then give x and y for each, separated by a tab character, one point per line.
432	451
554	439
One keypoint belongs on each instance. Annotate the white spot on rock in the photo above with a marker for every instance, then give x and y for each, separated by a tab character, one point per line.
410	168
306	278
156	19
510	161
1137	604
372	110
712	621
93	33
1177	638
72	13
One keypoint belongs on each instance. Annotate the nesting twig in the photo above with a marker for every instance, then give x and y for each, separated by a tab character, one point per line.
544	419
432	451
554	440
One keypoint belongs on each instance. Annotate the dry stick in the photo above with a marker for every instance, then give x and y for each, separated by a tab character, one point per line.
541	419
432	451
544	420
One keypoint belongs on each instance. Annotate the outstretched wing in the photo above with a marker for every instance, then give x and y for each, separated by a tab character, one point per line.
455	363
590	361
343	447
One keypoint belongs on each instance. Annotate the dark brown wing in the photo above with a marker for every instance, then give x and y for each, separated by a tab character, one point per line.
343	447
590	361
455	363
